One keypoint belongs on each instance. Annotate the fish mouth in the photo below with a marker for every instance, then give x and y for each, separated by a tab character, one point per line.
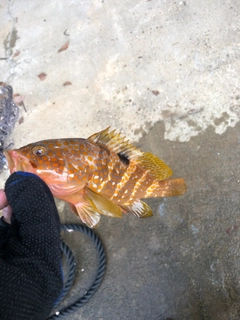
17	162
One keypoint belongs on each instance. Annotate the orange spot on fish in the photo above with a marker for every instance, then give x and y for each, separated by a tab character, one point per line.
50	154
55	164
44	158
58	153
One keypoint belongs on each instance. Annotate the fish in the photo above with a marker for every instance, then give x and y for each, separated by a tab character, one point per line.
102	175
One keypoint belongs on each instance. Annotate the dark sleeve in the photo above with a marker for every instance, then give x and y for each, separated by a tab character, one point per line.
4	227
30	264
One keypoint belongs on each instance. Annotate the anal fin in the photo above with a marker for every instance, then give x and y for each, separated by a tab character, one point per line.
139	208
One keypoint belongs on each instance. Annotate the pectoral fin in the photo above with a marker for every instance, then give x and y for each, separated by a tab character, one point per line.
101	204
89	206
139	208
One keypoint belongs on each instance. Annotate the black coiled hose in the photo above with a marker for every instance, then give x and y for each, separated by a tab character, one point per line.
72	268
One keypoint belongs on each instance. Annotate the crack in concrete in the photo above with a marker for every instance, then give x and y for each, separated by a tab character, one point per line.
9	43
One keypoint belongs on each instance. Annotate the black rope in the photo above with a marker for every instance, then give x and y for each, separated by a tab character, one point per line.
72	269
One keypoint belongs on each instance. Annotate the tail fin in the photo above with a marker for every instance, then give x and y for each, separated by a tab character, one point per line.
171	187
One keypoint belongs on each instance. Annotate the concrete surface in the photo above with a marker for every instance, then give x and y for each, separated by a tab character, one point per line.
166	73
184	262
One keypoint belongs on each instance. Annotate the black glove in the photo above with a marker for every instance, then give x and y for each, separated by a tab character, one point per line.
30	256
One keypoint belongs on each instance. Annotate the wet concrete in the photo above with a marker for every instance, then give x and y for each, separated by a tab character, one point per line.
184	262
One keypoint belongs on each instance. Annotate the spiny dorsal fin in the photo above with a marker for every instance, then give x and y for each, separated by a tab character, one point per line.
115	142
155	166
119	144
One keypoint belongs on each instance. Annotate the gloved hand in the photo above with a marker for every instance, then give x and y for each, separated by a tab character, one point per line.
30	256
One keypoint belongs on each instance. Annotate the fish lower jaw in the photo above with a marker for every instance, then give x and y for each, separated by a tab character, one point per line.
17	162
10	162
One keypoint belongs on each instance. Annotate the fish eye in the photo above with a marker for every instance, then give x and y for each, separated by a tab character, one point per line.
39	150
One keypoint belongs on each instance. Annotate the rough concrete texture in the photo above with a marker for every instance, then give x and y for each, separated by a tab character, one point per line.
183	263
164	72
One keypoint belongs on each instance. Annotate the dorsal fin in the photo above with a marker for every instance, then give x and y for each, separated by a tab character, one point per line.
155	166
116	142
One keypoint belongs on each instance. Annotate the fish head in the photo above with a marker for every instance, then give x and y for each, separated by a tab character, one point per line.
37	158
51	160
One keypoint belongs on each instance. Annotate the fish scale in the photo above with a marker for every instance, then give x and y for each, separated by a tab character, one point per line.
112	176
101	175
